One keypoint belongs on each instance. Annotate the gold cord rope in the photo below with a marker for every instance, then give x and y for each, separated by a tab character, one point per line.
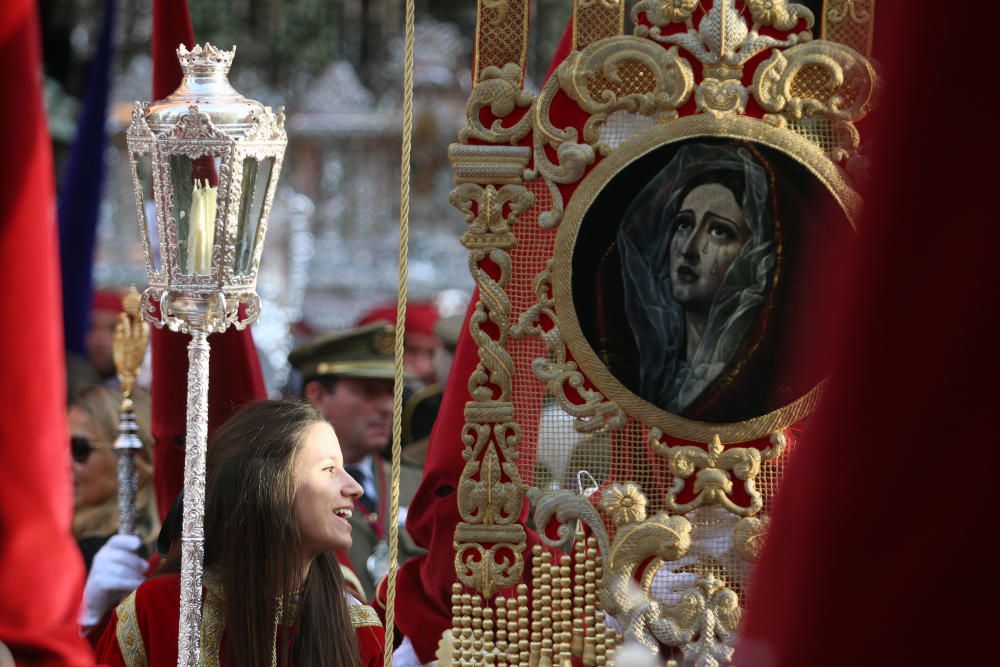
397	396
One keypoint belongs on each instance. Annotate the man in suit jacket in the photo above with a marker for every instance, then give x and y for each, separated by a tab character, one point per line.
348	375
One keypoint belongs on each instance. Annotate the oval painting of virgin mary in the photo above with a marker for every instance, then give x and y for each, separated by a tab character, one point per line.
692	280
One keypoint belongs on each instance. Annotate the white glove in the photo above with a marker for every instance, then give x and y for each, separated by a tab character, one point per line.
115	571
405	656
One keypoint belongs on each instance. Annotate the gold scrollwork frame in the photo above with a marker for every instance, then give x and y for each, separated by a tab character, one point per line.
798	148
558	372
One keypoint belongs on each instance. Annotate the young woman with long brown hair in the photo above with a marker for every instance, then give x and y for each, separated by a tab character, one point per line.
277	504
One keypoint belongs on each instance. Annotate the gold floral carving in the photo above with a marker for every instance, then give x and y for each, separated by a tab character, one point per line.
816	79
477	565
484	498
490	493
618	73
567	508
496	165
498	88
557	371
748	537
664	12
703	621
713	470
705	618
483	208
778	13
722	37
721	96
625	503
623	73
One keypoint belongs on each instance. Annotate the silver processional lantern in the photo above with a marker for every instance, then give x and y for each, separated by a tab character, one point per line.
205	163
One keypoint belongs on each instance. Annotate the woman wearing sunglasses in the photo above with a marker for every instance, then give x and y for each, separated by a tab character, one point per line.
115	563
93	427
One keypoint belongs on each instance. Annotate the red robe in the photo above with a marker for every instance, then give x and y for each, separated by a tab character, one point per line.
145	624
41	574
878	550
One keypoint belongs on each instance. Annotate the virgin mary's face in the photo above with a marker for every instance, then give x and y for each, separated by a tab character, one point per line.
709	232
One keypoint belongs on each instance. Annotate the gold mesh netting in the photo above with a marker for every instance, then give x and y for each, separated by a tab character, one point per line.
814	81
503	34
636	78
552	452
595	21
621	125
849	22
821	132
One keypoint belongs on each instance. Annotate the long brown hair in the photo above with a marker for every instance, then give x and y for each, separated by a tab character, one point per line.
252	540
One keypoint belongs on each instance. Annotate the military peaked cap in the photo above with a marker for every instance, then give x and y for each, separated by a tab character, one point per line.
365	352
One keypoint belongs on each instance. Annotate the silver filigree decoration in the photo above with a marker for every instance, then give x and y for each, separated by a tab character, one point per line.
193	528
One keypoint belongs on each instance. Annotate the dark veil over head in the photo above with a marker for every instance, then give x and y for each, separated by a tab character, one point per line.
656	319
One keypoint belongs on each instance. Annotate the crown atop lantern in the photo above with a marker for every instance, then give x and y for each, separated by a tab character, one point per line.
205	58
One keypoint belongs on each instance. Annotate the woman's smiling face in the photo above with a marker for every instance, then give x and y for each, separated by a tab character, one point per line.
709	232
324	492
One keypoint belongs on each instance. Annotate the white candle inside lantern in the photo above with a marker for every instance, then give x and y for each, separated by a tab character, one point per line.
201	236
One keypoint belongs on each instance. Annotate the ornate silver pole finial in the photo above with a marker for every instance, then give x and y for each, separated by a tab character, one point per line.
131	337
209	159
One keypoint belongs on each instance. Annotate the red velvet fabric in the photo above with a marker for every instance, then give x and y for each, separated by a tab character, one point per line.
877	549
157	604
235	377
41	572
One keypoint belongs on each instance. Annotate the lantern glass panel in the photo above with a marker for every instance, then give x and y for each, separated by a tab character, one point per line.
196	192
144	177
256	181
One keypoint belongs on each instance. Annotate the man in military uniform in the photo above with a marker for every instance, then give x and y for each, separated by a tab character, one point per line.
348	375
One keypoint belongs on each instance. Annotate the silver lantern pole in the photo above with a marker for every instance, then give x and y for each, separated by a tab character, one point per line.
131	338
205	162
